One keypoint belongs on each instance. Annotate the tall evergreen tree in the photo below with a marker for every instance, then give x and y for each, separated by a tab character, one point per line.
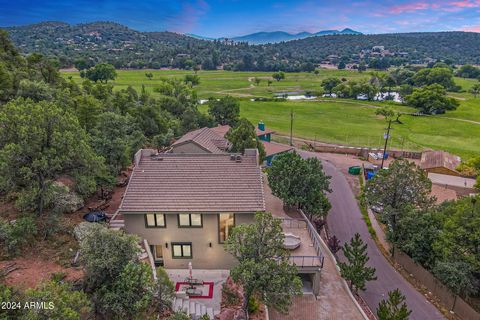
394	308
355	270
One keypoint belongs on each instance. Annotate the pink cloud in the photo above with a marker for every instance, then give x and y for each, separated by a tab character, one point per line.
411	7
465	3
472	28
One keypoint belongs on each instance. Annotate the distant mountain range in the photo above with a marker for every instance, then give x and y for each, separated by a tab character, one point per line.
279	36
90	43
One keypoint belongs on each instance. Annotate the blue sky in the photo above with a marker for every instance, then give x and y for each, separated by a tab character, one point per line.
216	18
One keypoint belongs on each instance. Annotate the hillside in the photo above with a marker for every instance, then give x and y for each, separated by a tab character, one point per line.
280	36
126	48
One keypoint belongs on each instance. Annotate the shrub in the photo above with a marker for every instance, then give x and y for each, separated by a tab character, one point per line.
179	316
253	305
164	291
68	304
15	234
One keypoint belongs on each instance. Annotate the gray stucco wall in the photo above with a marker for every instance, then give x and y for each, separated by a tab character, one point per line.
204	257
188	147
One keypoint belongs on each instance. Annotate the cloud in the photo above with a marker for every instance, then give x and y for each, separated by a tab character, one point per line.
465	4
472	28
412	7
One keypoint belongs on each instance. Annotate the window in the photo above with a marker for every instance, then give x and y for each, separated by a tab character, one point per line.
190	220
226	222
181	250
155	220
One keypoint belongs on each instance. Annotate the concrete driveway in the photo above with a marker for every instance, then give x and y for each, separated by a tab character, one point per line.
344	220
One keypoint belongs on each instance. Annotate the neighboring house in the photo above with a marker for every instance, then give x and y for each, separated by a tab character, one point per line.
440	162
274	149
204	140
185	205
265	136
263	133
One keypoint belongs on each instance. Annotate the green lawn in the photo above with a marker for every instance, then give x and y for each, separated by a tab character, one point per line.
338	121
351	124
218	83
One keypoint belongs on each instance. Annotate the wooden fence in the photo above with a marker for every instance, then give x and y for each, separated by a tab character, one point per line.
358	151
447	298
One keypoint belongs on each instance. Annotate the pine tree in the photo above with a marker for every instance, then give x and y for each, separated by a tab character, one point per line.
394	308
355	270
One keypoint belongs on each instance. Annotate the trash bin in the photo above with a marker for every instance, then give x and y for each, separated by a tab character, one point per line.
354	170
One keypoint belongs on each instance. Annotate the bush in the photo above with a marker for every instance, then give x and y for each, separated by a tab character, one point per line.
68	304
179	316
253	305
15	234
164	291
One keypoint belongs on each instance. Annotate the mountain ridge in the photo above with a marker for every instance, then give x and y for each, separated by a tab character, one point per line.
87	44
264	37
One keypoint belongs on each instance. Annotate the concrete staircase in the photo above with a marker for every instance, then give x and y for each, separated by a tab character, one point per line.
194	309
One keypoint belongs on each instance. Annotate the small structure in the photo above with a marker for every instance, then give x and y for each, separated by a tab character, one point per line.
274	149
204	140
263	133
440	162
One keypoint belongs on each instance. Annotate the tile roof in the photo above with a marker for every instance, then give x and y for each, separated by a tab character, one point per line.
437	159
262	132
194	183
221	130
275	148
206	138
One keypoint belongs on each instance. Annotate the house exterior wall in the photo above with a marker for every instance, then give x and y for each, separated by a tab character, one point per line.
203	257
265	137
189	147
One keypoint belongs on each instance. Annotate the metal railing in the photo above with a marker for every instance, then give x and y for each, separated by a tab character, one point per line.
294	223
314	236
304	223
306	261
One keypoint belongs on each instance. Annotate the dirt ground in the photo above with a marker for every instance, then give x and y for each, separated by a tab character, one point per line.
34	270
47	257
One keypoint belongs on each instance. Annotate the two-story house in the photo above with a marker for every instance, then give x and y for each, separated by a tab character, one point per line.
186	204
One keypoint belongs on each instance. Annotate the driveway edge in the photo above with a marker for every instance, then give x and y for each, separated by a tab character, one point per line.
332	257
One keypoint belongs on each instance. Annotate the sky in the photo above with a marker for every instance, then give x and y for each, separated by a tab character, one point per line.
224	18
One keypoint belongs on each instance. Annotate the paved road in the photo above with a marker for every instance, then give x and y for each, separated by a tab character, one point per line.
344	220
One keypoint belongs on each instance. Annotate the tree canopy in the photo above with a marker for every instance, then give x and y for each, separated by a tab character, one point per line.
225	110
263	269
101	72
393	308
355	269
300	182
243	136
431	99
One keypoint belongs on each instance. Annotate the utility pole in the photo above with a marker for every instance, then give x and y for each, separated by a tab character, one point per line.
291	127
386	142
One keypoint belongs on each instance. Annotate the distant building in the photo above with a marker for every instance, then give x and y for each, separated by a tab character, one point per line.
440	162
265	136
204	140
